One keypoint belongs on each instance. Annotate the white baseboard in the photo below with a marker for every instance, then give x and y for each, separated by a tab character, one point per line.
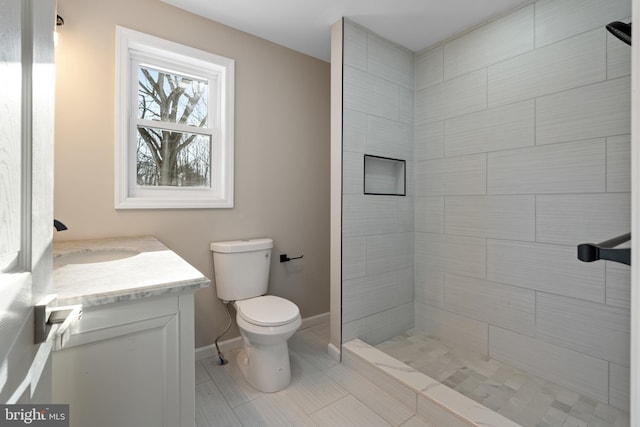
225	347
316	320
236	342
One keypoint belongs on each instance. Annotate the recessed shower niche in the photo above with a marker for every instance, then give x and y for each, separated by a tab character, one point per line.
384	176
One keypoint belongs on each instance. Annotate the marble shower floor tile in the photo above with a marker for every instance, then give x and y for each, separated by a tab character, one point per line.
523	398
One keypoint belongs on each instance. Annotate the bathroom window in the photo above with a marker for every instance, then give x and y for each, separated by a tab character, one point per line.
174	130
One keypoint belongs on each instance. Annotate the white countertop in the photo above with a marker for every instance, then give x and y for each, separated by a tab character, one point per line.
144	268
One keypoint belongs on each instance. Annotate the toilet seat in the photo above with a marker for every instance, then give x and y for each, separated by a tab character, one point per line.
267	310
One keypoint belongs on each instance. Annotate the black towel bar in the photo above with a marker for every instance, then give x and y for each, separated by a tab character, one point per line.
589	252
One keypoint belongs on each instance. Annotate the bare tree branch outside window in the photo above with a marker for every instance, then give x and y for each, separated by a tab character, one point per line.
166	157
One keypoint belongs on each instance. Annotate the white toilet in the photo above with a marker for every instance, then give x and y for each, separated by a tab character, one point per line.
266	322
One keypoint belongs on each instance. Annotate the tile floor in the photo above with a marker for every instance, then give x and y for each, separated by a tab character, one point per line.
322	392
525	399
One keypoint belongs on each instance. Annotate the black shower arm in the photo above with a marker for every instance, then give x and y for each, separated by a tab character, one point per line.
589	252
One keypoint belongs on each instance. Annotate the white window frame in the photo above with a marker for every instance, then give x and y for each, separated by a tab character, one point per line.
132	48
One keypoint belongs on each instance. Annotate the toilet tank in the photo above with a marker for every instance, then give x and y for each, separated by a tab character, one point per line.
241	268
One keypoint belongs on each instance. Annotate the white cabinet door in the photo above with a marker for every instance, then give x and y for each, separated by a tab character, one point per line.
129	375
132	362
27	77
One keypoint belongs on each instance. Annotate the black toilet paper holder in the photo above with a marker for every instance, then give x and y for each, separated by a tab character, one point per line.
285	258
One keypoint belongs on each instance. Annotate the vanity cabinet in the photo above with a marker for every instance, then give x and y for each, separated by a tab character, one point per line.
130	364
129	360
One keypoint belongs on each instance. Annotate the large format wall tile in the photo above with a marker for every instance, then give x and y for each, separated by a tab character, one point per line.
597	330
451	176
455	97
574	167
365	296
406	211
389	138
573	219
368	215
547	268
499	217
369	94
488	44
377	231
389	252
354	257
352	173
508	306
559	19
406	285
430	268
354	130
437	254
619	386
429	216
593	111
558	364
381	326
353	329
406	105
429	286
618	57
464	255
619	163
355	45
429	141
389	61
618	280
568	64
429	68
499	128
514	147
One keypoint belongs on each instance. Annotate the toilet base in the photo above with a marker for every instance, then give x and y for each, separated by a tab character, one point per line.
266	368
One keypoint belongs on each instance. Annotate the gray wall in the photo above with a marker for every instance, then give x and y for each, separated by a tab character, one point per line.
522	152
377	244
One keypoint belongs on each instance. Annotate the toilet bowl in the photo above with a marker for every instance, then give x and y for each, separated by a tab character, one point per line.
266	323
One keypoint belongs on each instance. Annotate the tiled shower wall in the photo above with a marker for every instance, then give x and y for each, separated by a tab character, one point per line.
522	151
378	242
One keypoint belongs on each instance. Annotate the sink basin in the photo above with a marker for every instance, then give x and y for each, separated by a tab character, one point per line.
92	257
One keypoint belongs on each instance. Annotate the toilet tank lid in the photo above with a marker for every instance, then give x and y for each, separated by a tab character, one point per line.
242	245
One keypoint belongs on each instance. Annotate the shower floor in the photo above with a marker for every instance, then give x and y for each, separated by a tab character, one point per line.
524	398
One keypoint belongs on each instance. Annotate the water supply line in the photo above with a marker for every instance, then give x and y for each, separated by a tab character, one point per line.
221	359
